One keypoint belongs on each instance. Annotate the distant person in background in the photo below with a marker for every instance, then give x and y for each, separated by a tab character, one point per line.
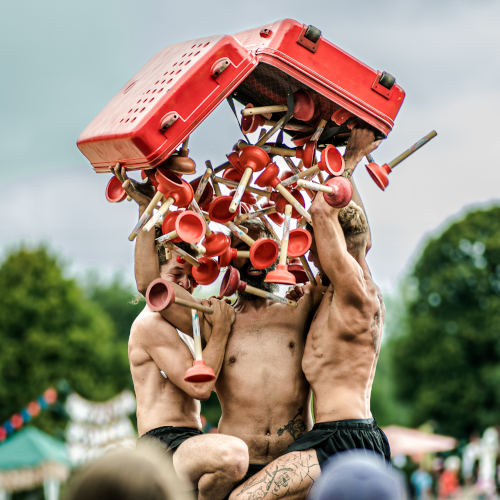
359	475
144	473
421	481
449	487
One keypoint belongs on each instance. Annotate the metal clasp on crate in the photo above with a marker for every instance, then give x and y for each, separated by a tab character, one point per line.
168	120
219	66
309	37
383	83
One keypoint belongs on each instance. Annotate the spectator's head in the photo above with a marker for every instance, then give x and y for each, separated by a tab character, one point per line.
146	473
359	475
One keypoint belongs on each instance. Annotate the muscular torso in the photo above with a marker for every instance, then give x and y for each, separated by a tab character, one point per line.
262	390
341	354
159	401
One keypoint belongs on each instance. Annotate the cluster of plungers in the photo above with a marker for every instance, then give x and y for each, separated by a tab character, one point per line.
276	197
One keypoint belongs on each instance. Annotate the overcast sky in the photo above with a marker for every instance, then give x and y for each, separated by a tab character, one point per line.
62	61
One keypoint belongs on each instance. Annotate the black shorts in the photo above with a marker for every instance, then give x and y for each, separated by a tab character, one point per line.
329	438
171	437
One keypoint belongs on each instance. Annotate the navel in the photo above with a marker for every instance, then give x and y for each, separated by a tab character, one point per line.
232	360
291	344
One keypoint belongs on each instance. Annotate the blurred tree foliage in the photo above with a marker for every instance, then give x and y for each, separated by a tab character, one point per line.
446	361
50	330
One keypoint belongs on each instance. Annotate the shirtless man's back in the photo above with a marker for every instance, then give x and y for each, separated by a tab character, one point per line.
341	350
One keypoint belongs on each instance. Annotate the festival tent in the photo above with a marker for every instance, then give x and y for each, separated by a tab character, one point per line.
31	458
405	441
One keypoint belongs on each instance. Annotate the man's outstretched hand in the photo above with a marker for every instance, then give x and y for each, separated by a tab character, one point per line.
141	193
361	142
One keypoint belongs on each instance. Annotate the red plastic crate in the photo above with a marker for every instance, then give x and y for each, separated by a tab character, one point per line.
176	90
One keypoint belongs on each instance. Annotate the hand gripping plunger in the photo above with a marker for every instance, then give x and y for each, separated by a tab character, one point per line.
380	173
281	274
252	159
160	295
114	190
231	283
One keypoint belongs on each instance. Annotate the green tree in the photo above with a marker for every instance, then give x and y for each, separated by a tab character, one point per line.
119	300
447	360
50	330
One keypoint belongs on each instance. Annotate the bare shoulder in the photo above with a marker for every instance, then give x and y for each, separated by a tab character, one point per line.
149	328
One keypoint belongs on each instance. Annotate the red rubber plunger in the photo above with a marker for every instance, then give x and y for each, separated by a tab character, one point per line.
231	283
280	202
190	226
207	272
342	193
226	257
379	174
114	191
308	153
275	217
199	372
168	224
182	196
299	242
296	268
232	174
207	196
280	275
216	244
218	210
332	161
263	253
159	294
303	105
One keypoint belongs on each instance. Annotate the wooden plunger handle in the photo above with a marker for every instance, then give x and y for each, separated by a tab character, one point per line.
240	233
143	219
161	211
286	232
245	179
195	320
275	108
196	208
314	186
269	295
202	184
308	271
412	149
254	215
182	253
164	238
250	189
289	197
193	305
263	139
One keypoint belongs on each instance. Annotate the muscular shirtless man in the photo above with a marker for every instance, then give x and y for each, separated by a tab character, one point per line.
263	393
168	408
341	350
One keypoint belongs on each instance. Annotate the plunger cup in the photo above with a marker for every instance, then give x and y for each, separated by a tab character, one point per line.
342	192
252	159
114	191
380	173
263	252
189	227
303	108
269	177
299	242
207	272
203	190
295	267
181	197
199	372
218	210
281	273
231	283
160	295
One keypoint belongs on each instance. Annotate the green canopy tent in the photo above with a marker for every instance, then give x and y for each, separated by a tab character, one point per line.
31	458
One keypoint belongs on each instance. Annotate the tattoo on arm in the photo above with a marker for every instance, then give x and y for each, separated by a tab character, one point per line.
294	427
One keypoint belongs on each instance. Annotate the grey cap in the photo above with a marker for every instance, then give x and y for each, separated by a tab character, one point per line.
359	475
